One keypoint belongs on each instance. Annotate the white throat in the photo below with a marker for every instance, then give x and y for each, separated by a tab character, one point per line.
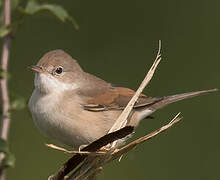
46	83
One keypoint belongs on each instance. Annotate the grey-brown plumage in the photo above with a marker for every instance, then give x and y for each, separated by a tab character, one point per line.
76	108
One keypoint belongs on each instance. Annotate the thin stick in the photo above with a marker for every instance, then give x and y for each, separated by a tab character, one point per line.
52	146
5	124
118	152
74	161
90	166
122	120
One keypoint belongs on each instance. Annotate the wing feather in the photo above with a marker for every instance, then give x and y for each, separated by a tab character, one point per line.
115	98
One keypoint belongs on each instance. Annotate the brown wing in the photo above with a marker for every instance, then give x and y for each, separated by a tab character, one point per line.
115	98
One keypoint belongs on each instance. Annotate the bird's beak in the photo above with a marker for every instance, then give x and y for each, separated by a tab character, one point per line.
36	69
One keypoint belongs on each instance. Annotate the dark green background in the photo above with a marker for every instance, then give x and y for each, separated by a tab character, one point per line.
117	41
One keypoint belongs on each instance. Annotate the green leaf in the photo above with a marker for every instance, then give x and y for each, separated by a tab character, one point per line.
18	104
9	160
34	7
4	74
4	31
4	146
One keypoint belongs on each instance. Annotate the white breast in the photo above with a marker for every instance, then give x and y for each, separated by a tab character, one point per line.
51	120
43	111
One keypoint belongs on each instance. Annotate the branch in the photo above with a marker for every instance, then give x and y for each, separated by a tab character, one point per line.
92	164
117	153
5	124
93	147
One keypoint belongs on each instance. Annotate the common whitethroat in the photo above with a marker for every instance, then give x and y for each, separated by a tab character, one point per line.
76	108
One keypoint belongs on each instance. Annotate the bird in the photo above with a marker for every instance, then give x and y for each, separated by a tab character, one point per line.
75	108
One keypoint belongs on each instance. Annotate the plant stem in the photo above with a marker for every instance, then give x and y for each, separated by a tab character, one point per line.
5	123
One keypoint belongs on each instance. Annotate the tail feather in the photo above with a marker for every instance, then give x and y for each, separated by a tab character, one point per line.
174	98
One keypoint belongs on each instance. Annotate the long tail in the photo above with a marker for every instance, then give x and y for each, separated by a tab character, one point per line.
174	98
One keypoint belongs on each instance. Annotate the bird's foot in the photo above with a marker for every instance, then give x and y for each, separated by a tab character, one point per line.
82	146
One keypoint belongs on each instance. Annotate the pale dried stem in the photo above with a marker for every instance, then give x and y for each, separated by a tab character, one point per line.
91	165
83	172
5	124
122	120
52	146
118	152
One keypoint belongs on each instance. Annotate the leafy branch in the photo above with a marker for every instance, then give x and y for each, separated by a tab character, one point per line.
8	27
33	7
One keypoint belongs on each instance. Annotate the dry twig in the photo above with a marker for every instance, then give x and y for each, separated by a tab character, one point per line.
93	147
92	164
118	152
52	146
122	120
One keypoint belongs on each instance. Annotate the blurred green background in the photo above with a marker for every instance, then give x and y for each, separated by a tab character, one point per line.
118	41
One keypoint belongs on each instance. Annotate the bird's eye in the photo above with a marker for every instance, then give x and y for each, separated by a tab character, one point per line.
59	70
